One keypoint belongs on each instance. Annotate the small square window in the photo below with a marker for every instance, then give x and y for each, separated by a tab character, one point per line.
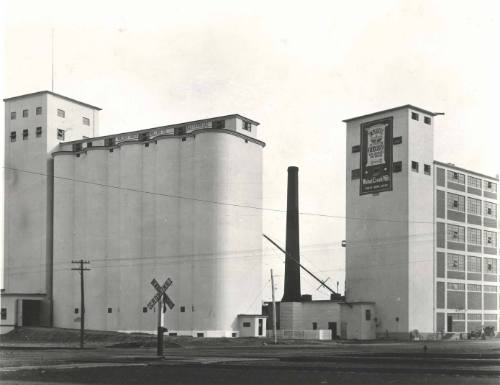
427	169
109	142
89	144
368	314
427	120
25	113
76	310
183	309
110	310
39	110
219	124
38	132
414	166
246	324
13	115
397	167
179	131
397	140
25	134
86	121
60	134
183	139
61	113
146	144
13	136
414	116
4	313
144	309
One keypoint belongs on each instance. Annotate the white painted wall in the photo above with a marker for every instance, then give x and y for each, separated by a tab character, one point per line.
377	233
211	251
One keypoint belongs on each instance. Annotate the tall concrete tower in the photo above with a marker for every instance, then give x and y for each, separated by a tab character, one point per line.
34	126
389	217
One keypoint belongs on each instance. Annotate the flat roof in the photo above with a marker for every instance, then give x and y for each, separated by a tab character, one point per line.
451	165
165	126
54	94
394	109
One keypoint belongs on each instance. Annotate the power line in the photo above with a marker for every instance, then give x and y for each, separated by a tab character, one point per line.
175	196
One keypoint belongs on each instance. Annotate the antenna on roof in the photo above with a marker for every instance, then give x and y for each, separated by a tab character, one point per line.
52	60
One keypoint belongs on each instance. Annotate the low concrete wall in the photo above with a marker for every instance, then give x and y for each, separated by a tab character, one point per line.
320	334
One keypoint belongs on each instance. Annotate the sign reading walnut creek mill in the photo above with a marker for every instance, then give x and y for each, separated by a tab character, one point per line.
376	156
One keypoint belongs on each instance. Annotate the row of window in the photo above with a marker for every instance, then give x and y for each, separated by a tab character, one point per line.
38	133
13	134
38	111
457	202
144	309
470	287
25	113
415	116
457	234
472	316
414	167
456	262
459	178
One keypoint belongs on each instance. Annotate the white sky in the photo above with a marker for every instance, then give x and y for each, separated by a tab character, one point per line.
298	68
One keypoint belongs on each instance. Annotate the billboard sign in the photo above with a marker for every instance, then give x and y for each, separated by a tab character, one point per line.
376	156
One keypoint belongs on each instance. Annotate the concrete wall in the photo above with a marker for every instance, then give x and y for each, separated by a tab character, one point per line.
377	232
420	225
29	190
139	213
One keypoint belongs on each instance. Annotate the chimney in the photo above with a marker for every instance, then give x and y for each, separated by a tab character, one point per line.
292	261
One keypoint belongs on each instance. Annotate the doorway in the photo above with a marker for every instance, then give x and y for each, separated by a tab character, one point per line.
261	329
31	312
333	327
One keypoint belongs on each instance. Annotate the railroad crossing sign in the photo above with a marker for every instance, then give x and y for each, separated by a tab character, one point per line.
160	292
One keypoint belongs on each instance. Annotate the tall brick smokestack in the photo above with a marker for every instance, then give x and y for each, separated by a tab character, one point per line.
292	261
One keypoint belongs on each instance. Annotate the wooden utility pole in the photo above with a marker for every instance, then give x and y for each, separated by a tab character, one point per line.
274	310
81	269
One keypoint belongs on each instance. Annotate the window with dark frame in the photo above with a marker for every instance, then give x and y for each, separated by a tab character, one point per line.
13	136
414	166
13	115
4	313
397	167
414	116
89	144
109	142
144	309
315	326
25	113
38	132
110	310
219	124
246	324
76	310
183	309
61	113
179	130
60	134
368	314
25	134
427	120
39	111
86	121
247	126
427	169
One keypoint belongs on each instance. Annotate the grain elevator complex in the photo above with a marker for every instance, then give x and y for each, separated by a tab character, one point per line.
183	201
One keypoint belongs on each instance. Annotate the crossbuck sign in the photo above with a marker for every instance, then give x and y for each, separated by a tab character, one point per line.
160	292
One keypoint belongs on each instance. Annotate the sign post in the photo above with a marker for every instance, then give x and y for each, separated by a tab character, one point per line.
160	293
